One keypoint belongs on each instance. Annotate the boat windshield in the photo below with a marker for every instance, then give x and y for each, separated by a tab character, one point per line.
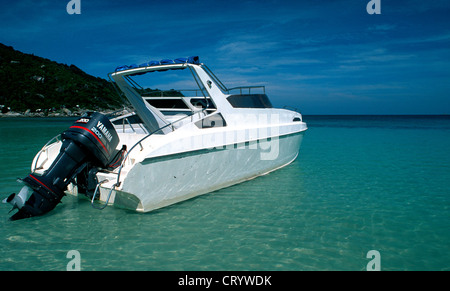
172	92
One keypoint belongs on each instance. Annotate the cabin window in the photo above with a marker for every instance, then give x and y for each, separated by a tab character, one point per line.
167	103
250	101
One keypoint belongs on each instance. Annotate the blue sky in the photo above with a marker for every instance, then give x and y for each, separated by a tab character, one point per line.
323	57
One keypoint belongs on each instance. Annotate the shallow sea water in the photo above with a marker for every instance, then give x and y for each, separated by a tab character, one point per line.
360	183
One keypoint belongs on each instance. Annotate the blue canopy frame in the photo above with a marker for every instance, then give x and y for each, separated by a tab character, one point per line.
190	60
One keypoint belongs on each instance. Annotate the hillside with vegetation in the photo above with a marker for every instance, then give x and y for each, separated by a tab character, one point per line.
31	84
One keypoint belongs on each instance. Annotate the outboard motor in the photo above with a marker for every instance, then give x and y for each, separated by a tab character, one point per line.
91	140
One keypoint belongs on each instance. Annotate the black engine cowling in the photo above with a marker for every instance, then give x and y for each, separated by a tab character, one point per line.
91	140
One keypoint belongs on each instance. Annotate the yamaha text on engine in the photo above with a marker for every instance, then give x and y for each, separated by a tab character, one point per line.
87	146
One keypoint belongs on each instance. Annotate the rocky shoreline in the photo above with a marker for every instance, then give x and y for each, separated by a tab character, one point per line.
58	113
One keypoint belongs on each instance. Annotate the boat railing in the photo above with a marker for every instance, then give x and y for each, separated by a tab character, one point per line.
125	158
225	90
125	121
247	89
118	173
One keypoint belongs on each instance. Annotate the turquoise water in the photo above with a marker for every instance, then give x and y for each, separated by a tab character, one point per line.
360	183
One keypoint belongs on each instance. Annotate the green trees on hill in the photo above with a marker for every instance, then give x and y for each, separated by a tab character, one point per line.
31	82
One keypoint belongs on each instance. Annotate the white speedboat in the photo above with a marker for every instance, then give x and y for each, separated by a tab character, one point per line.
173	145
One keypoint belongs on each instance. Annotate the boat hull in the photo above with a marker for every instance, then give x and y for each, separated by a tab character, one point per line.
161	181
